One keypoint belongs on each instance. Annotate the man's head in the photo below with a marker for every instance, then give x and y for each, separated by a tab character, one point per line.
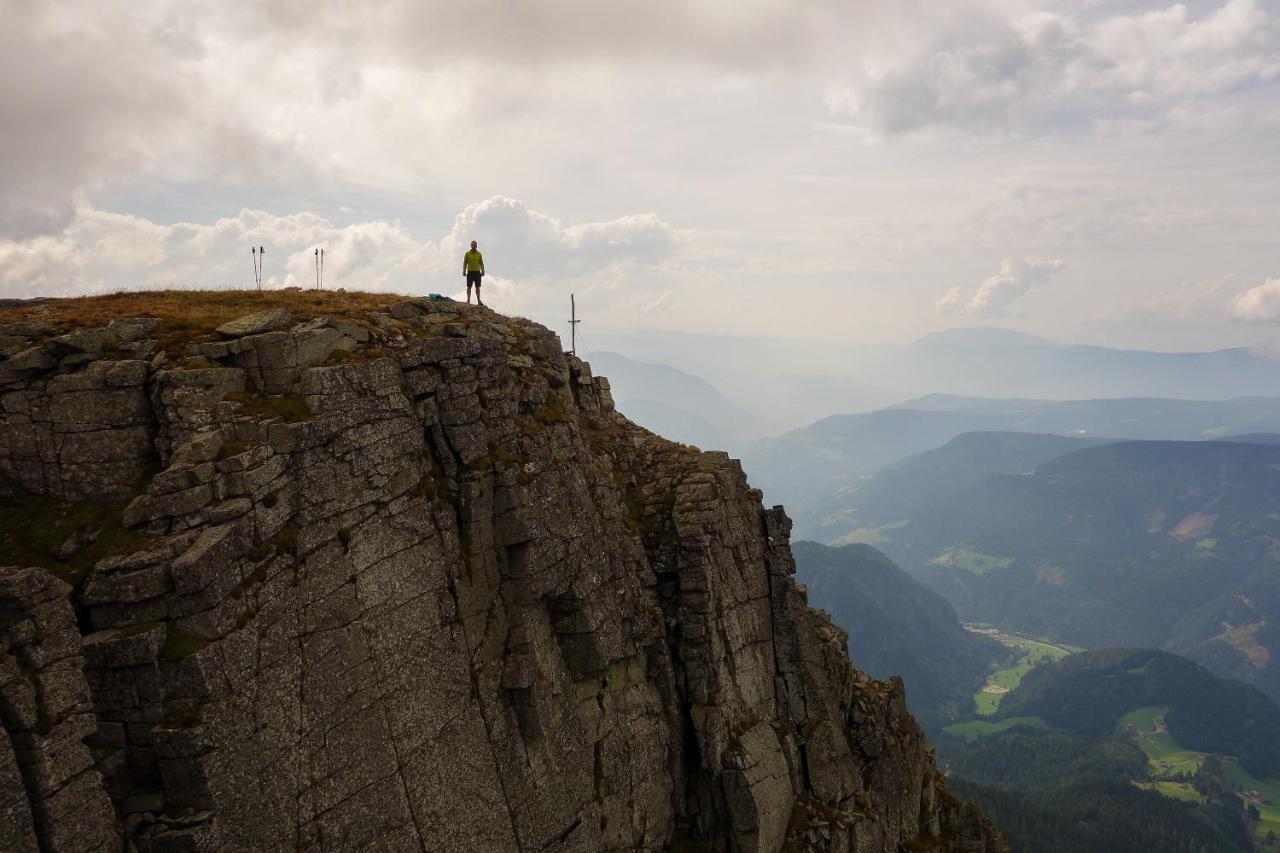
473	245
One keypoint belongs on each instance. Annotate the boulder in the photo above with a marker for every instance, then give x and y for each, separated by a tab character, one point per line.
256	324
132	329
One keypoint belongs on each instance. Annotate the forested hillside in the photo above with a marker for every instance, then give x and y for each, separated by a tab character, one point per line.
1156	544
1091	692
1124	749
897	626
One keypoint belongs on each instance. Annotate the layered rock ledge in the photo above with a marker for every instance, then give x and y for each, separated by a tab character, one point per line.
399	577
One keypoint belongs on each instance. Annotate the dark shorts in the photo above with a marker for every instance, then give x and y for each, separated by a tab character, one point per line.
474	277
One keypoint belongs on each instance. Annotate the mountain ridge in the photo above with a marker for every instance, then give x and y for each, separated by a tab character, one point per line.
802	467
359	571
1152	543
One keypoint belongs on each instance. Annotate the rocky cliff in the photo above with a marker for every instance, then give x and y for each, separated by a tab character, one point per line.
400	578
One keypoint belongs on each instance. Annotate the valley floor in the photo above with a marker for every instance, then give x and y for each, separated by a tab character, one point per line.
1171	766
1029	653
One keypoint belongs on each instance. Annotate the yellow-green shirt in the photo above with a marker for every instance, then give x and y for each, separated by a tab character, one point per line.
473	261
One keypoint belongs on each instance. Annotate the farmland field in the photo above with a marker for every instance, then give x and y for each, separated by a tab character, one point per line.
1166	756
971	561
971	730
1268	809
1032	653
1176	790
1144	719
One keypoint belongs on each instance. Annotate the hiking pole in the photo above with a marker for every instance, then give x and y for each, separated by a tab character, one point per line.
253	250
317	269
322	269
262	264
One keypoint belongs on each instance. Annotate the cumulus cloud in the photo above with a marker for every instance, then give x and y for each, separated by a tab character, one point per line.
90	96
536	244
997	293
1259	304
1042	69
269	94
1178	304
378	93
1228	297
101	250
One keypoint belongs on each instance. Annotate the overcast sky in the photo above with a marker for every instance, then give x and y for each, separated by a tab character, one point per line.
1105	172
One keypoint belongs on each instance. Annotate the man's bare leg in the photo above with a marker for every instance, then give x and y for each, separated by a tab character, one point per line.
469	293
478	301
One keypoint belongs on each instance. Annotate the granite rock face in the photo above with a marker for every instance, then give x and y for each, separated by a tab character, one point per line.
51	795
407	581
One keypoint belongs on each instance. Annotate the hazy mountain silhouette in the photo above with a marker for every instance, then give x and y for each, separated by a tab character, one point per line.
903	489
804	468
673	403
808	380
979	360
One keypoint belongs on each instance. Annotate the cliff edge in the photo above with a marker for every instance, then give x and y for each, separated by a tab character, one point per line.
360	573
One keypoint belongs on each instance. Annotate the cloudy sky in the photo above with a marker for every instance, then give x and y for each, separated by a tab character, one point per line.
1094	171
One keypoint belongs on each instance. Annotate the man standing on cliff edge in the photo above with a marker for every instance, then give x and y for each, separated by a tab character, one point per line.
473	269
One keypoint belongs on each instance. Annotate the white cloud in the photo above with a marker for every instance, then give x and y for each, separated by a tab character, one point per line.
1259	304
393	92
659	305
997	293
1188	303
102	251
1041	69
1177	305
267	94
535	244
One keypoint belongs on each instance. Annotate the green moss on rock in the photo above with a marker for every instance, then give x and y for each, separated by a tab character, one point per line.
66	538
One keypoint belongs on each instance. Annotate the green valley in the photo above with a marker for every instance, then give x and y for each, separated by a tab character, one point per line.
1026	655
1155	544
1046	544
1166	756
972	730
1264	797
1077	732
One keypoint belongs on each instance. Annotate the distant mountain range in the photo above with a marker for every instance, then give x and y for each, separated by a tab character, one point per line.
897	626
804	469
976	361
782	382
1163	544
673	403
901	490
809	380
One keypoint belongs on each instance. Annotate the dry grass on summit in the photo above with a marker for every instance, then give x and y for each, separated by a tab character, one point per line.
190	314
199	309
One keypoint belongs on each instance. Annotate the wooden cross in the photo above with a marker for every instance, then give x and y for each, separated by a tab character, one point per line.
573	326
